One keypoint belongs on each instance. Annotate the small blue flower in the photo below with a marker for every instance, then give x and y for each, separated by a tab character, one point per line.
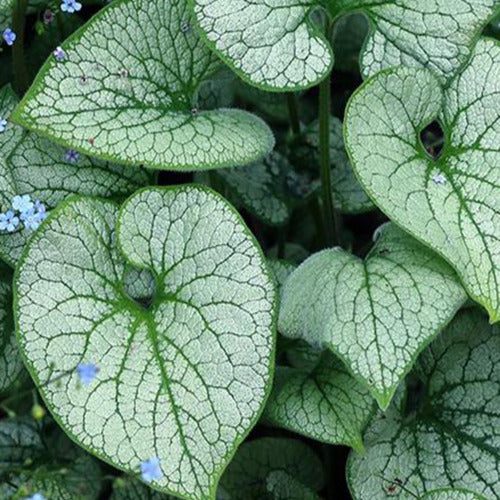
9	222
41	209
87	372
70	6
59	54
72	156
31	219
3	124
9	36
150	469
36	496
22	203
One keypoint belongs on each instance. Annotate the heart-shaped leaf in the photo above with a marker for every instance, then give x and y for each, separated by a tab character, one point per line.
275	45
451	494
11	364
451	203
180	378
256	461
32	165
376	314
450	436
325	403
126	91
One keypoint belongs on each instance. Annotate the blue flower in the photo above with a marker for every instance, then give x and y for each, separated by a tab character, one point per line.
36	496
59	54
9	222
150	469
9	36
31	219
40	208
3	124
72	156
22	203
87	372
70	6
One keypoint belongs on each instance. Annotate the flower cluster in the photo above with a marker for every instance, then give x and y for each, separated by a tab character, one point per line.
25	211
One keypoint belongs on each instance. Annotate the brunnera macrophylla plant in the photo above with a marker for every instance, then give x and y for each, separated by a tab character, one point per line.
215	279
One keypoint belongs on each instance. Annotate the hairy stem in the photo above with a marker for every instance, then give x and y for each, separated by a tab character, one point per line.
293	112
21	80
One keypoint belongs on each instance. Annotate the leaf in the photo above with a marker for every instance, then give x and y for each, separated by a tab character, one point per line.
11	364
272	45
282	486
247	475
450	203
66	473
348	195
451	494
80	479
271	105
281	270
12	134
270	189
376	314
133	92
130	489
5	5
302	356
19	441
183	378
325	403
275	46
435	34
451	439
294	252
30	164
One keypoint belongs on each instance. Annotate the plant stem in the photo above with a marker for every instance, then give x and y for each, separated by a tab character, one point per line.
293	112
21	81
330	223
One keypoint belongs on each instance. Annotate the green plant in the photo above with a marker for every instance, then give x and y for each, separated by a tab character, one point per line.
188	194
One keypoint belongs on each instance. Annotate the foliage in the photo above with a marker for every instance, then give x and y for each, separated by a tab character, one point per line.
249	250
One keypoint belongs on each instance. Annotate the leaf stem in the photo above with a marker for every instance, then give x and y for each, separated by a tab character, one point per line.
21	80
293	112
330	222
